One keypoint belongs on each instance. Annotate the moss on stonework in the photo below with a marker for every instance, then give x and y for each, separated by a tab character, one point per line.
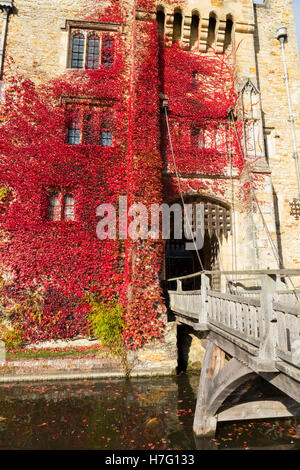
194	365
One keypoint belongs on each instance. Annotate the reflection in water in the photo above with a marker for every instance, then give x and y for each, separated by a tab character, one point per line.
152	413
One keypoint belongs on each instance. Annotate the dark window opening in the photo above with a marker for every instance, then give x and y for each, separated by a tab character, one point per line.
77	51
194	31
195	135
93	52
91	127
74	131
61	207
160	18
54	207
106	138
228	34
266	148
177	27
107	56
211	31
69	207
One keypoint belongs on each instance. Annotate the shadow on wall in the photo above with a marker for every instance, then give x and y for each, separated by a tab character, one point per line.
191	348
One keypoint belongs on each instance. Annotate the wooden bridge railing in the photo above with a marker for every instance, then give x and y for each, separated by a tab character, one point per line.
288	333
237	315
264	325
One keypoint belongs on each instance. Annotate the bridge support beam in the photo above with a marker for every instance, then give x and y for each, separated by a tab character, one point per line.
217	382
213	362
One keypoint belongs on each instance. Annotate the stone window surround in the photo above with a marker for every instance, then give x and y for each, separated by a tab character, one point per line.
80	103
87	28
61	205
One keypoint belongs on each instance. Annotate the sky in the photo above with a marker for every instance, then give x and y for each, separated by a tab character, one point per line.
297	17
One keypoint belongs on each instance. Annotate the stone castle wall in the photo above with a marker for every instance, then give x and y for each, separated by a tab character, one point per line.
38	43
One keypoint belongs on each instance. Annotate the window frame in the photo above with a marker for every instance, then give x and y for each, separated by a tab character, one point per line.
61	196
93	36
76	118
104	118
77	34
108	137
87	30
208	138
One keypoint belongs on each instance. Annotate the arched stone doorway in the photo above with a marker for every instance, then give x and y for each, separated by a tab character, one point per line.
180	262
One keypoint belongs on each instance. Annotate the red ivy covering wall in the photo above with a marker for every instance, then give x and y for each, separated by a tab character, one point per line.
64	260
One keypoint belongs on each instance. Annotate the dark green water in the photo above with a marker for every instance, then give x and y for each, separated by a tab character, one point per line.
154	413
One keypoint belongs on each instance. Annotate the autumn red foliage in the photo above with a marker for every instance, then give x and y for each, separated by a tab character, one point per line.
63	260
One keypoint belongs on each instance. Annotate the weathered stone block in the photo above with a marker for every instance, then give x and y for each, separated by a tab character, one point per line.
2	351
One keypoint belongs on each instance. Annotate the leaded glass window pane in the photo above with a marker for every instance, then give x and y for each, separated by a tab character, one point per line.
93	52
77	51
54	207
74	131
106	139
69	207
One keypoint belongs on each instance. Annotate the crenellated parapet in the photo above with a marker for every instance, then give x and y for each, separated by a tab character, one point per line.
196	30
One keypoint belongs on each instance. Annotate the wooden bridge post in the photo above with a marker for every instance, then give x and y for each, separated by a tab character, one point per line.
267	326
179	285
213	362
205	283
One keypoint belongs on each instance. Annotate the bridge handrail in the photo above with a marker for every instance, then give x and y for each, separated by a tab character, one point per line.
265	322
285	308
254	272
234	298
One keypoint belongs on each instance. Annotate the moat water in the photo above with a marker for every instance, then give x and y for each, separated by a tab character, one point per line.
116	414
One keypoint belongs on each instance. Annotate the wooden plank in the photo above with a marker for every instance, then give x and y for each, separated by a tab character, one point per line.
261	409
239	318
187	314
287	308
233	334
204	305
283	382
226	319
226	228
254	272
194	325
213	308
184	292
217	221
234	298
252	321
293	325
209	219
237	348
233	314
285	356
218	309
290	371
214	359
281	331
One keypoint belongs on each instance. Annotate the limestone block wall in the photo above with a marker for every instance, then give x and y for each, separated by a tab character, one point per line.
275	111
37	39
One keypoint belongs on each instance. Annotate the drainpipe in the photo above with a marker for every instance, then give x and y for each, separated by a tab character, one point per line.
7	7
281	35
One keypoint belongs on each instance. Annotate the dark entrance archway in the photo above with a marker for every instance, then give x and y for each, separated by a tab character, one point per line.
180	262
